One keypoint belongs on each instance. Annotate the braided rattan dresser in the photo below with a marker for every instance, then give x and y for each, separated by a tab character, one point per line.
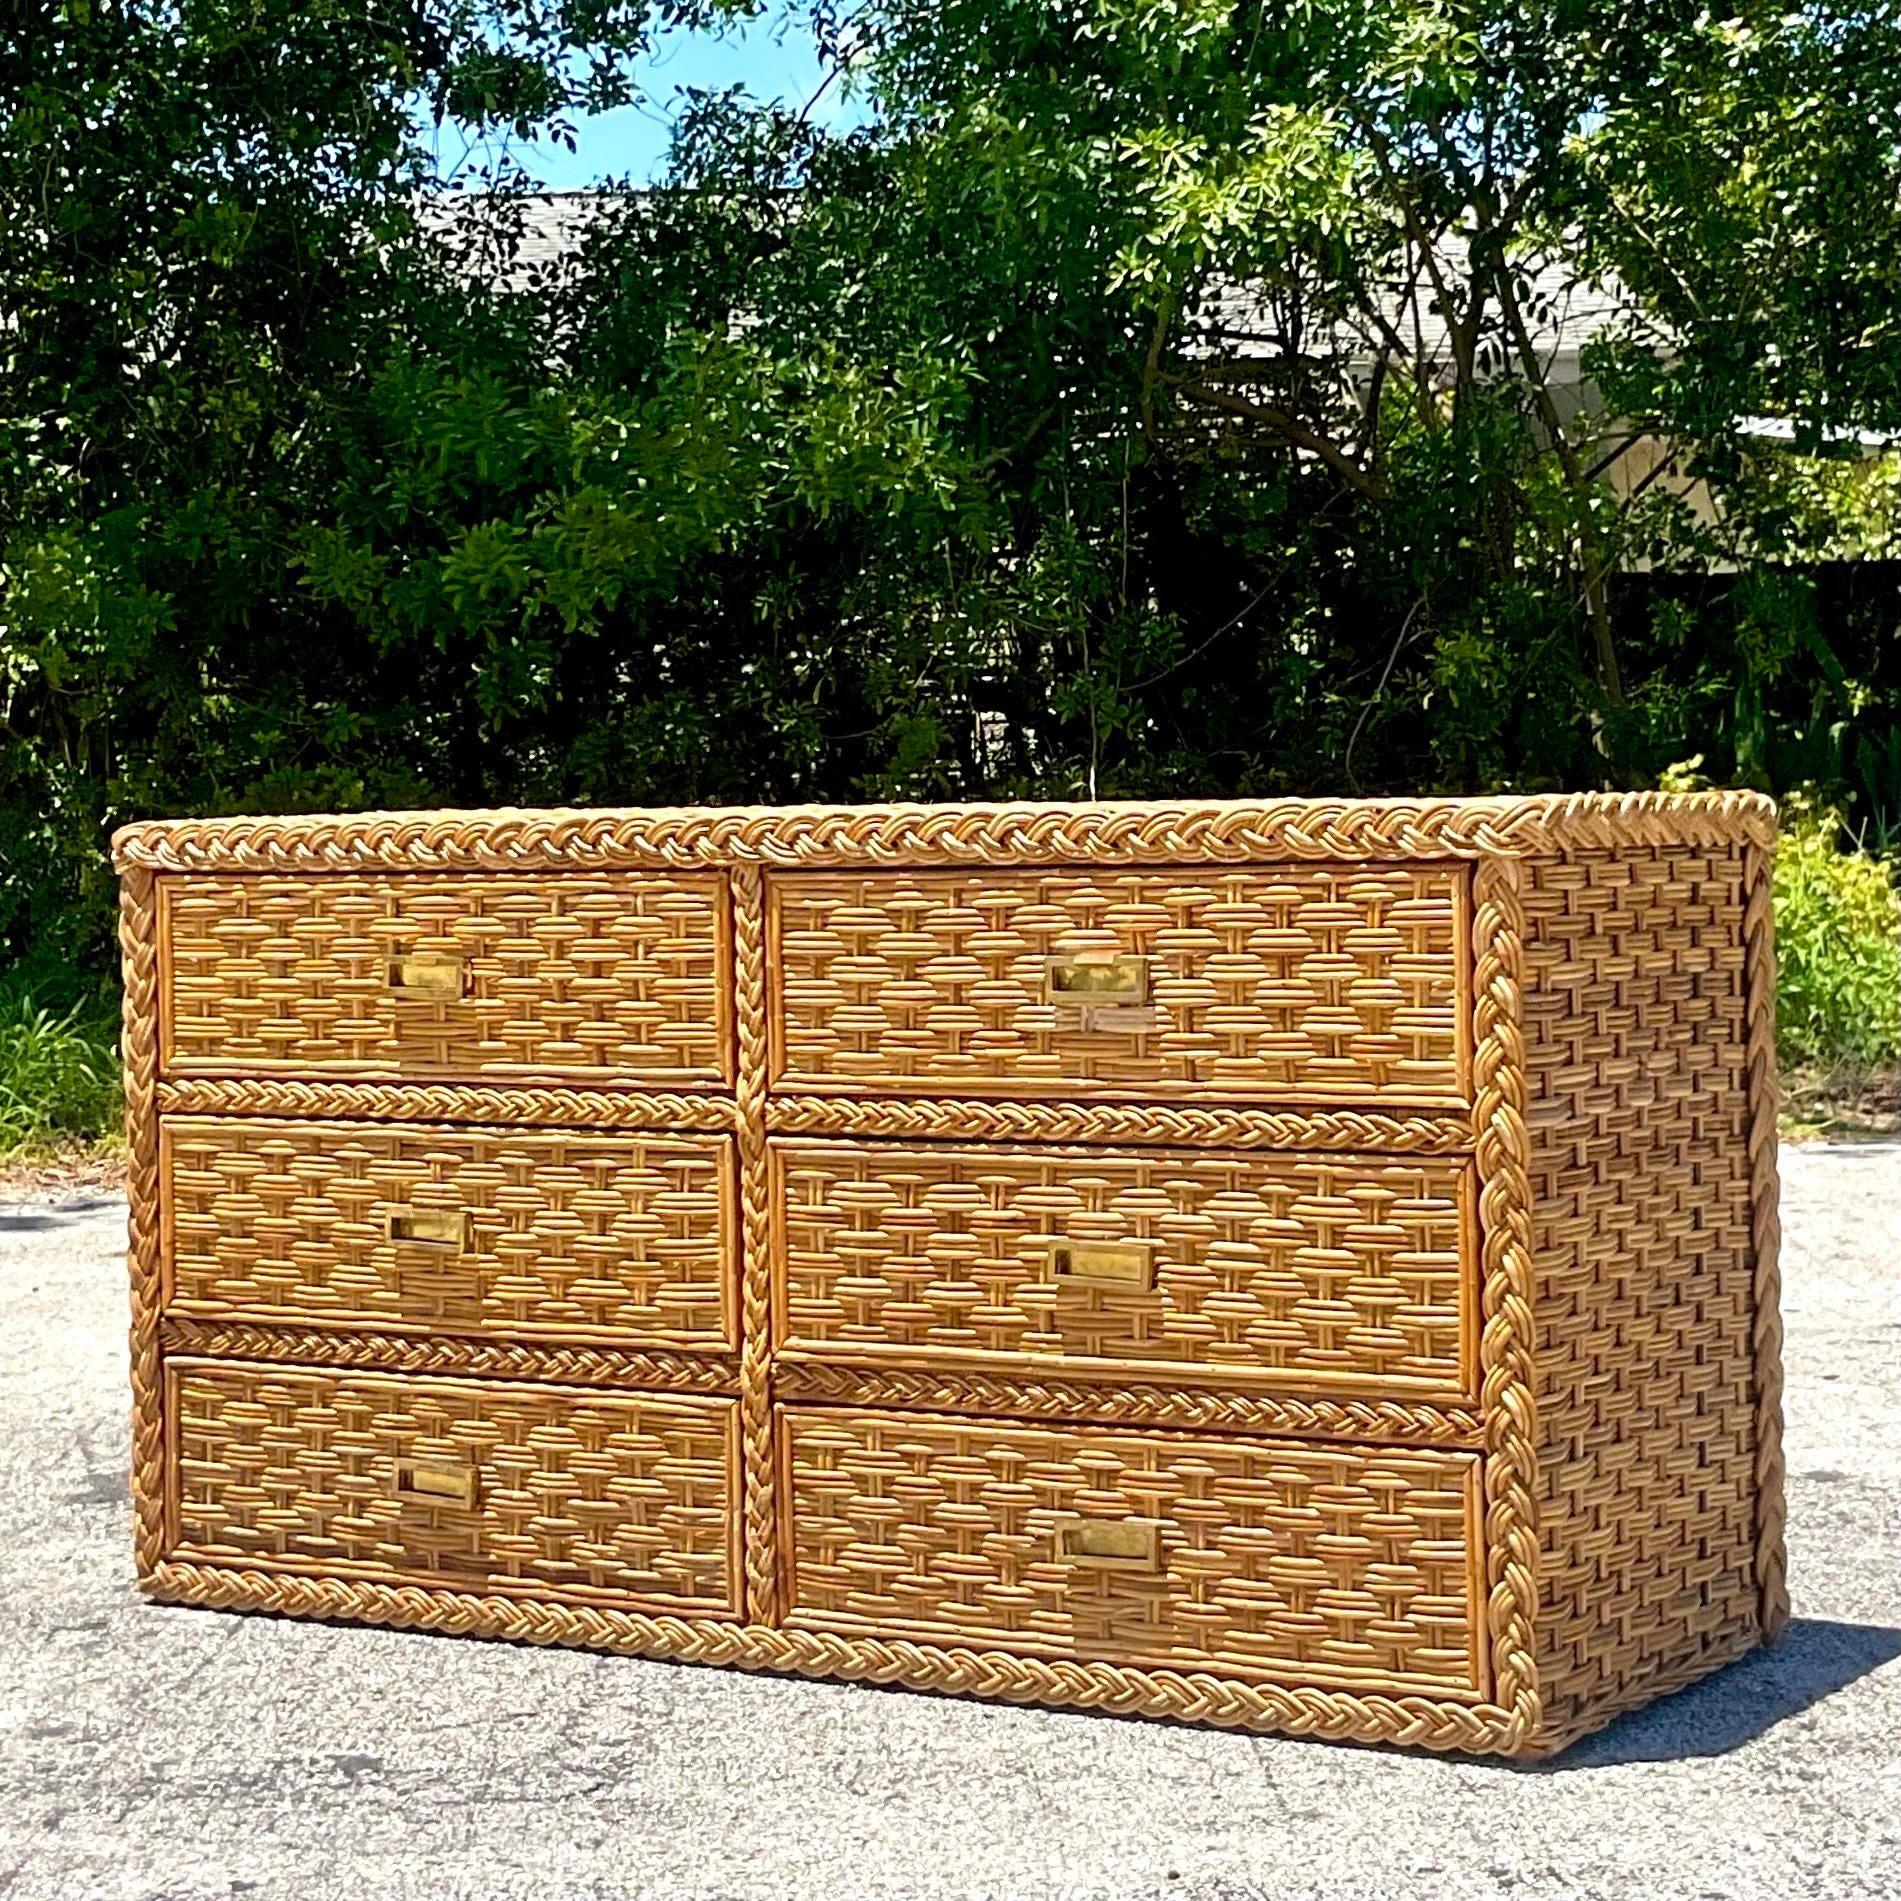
1308	1266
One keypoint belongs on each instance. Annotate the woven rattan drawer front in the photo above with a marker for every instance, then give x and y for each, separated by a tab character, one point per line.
522	1490
618	1238
1298	983
1339	1564
606	978
1302	1273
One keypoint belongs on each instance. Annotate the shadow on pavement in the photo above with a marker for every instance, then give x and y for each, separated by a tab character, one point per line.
1816	1657
37	1218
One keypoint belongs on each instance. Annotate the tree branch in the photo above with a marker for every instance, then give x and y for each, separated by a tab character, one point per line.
1590	559
1462	334
1151	365
1291	428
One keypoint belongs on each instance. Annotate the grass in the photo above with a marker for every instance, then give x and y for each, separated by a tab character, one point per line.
59	1082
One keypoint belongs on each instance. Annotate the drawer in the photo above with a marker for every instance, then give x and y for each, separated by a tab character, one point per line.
617	1238
1299	1563
1296	983
1295	1273
530	1491
608	978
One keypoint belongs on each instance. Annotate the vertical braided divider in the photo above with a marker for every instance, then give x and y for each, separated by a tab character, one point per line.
1508	1395
755	1284
138	948
1759	952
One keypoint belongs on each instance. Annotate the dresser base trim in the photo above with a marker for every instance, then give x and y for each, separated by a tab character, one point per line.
1336	1715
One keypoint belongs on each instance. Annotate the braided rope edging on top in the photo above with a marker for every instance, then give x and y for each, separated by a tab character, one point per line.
1217	831
1192	1697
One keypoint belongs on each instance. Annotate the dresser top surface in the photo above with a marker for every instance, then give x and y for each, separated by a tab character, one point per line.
1136	832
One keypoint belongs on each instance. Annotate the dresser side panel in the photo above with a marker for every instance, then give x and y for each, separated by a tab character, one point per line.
1637	1018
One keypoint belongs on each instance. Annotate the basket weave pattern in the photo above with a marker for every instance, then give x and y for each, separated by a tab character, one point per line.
1315	981
617	1237
1303	1266
1339	1563
610	978
1638	1013
514	1487
1309	1272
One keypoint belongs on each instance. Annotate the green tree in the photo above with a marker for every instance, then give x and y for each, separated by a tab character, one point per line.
1134	399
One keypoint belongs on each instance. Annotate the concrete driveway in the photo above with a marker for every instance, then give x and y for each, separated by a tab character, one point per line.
149	1752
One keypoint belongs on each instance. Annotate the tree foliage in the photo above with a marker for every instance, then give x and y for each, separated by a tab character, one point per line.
1136	398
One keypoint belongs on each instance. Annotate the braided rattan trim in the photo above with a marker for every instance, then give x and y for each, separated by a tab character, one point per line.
761	1467
439	1353
1228	830
138	944
1509	1401
1419	1721
1124	1404
1157	1124
436	1102
1766	1235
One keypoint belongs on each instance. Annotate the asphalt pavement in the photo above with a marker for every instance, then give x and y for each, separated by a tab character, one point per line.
149	1752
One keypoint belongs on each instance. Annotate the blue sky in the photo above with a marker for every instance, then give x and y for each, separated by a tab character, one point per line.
768	59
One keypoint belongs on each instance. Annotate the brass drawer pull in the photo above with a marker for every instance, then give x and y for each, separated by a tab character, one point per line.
440	979
1105	1264
436	1484
430	1227
1096	980
1131	1544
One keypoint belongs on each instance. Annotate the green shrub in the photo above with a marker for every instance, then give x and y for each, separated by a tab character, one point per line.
1838	944
59	1079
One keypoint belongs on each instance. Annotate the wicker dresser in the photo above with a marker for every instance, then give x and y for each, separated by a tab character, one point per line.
1307	1266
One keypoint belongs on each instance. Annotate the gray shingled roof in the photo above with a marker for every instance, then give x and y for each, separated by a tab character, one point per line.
1567	313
